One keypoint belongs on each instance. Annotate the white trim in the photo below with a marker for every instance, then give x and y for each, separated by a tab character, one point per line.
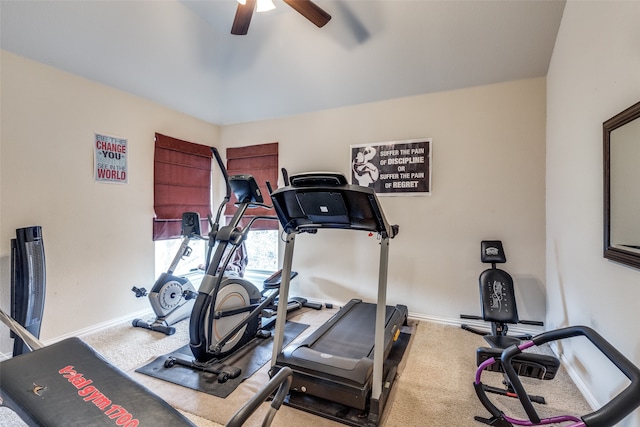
142	314
92	329
476	324
577	379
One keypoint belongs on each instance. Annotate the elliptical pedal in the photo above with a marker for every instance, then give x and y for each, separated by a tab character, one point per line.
224	372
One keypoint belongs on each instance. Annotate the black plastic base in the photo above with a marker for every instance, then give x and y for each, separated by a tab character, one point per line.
494	421
369	417
224	372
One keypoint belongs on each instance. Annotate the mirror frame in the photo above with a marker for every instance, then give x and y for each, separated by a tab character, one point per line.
610	252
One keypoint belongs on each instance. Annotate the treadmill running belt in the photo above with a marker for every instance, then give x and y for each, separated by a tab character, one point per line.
335	362
357	328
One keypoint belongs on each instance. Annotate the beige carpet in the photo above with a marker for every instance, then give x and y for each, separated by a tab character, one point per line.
434	386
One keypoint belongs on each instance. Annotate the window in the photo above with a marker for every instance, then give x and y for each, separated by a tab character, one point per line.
262	250
261	161
182	183
166	250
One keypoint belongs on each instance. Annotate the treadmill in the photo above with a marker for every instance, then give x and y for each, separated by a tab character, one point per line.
343	361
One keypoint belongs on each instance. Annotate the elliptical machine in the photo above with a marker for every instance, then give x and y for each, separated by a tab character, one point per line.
172	297
228	309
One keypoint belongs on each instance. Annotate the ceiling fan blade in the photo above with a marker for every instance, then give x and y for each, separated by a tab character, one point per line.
311	11
241	22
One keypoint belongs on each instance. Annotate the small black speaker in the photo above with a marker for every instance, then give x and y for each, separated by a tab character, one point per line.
28	282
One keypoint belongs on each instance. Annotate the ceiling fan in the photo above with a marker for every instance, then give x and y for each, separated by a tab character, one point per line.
306	8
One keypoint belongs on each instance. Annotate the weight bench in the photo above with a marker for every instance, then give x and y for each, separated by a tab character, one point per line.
70	384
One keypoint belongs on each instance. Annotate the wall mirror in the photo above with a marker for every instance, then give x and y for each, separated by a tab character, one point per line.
622	187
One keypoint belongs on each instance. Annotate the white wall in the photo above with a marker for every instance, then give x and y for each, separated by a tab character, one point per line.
594	74
97	237
488	183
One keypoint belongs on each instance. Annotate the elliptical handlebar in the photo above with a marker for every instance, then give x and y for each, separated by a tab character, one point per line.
223	169
215	225
285	176
256	205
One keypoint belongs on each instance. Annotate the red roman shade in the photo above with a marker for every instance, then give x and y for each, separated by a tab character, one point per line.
182	183
261	161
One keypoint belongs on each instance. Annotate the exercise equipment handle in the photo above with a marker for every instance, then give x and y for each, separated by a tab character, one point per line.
611	413
227	197
21	332
223	169
280	381
215	225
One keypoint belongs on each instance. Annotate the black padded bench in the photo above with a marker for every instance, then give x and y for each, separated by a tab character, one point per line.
70	384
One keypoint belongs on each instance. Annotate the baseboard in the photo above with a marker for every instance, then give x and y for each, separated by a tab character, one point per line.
476	324
92	329
576	378
142	314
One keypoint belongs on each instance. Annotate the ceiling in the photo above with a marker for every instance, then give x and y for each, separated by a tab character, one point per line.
181	54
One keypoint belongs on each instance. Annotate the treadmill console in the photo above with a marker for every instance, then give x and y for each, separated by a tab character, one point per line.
314	179
273	281
325	200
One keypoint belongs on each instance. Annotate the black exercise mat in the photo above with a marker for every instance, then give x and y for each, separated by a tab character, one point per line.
249	358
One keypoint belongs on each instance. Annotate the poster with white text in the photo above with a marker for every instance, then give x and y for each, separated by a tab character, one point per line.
110	162
393	168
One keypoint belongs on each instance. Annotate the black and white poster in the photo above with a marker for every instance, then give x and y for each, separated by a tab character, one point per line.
393	168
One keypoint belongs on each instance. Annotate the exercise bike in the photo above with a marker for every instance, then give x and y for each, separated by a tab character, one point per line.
497	295
228	309
172	297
